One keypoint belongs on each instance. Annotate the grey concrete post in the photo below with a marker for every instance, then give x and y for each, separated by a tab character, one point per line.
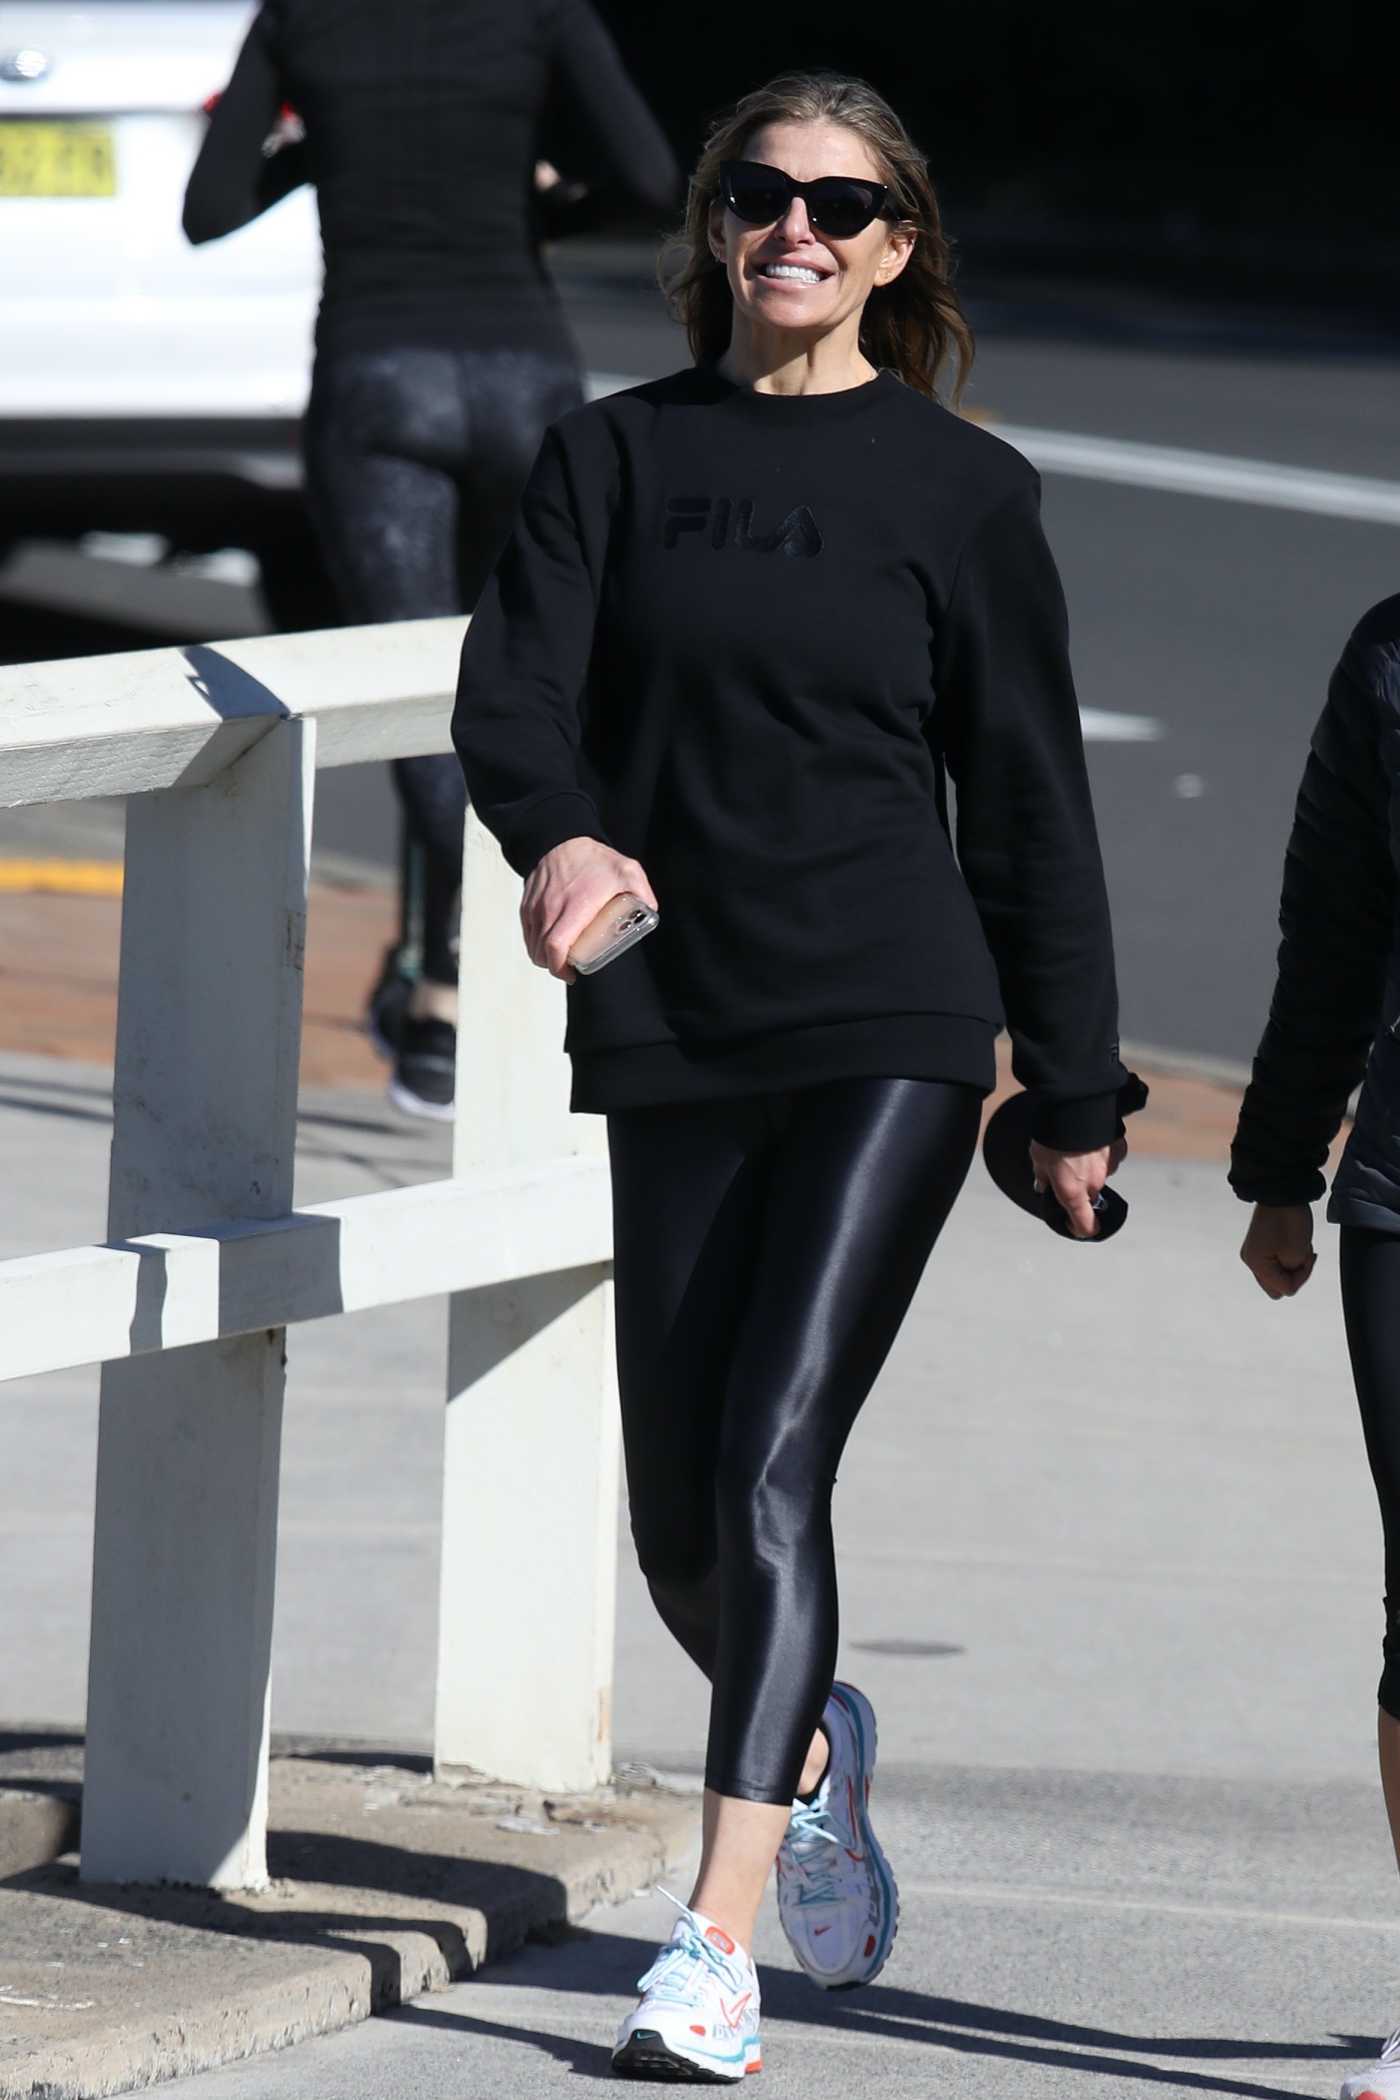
208	1042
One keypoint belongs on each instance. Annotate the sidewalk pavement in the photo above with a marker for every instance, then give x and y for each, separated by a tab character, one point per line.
1109	1571
59	954
385	1884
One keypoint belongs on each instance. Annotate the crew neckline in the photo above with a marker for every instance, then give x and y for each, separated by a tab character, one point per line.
844	401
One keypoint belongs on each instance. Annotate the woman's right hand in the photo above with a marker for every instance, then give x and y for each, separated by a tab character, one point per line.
566	890
1278	1247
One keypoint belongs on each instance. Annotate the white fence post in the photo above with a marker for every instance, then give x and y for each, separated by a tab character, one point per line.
205	1090
529	1538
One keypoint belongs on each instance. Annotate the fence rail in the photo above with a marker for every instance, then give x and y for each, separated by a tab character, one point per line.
208	1260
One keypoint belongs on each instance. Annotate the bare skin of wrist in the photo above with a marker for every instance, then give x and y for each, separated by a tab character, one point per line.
1278	1248
566	890
1076	1178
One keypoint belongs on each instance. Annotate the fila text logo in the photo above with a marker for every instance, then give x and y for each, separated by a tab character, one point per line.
727	521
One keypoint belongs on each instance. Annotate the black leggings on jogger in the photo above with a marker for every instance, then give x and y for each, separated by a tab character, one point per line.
1370	1263
766	1249
415	460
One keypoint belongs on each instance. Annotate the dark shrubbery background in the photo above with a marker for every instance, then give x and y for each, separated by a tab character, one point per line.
1225	134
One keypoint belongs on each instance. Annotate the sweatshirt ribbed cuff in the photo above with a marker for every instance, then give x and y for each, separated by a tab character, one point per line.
570	814
1082	1125
1279	1190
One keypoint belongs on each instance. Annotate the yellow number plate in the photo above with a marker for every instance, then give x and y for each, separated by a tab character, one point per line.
56	160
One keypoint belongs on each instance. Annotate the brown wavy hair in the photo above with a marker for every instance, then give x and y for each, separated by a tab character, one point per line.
915	324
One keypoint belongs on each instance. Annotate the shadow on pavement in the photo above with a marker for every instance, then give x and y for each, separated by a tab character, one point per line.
35	1759
885	2014
64	1110
585	2059
606	1964
997	2031
314	1750
30	1092
516	1901
14	1740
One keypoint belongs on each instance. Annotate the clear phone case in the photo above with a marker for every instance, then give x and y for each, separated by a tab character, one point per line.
621	923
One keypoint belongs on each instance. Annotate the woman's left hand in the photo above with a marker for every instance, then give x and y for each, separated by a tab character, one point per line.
1076	1178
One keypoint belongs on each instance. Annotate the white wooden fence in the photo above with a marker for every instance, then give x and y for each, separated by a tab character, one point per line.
208	1261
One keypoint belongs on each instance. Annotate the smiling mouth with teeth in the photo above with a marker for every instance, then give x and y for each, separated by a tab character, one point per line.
790	273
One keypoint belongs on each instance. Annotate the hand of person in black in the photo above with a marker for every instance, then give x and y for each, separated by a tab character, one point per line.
1075	1180
1278	1248
566	890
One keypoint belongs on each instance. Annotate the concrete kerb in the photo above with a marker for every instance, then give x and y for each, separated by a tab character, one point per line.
386	1884
35	1828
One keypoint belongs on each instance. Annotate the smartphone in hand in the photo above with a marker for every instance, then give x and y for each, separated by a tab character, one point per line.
622	922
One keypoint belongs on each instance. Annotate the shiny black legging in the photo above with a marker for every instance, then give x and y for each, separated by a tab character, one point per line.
766	1252
415	460
1370	1263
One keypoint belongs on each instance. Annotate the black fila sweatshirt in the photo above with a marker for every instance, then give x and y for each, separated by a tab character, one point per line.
744	638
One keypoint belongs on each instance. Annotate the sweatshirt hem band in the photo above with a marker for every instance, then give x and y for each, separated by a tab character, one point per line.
958	1048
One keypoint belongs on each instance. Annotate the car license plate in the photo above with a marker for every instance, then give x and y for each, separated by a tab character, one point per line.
56	160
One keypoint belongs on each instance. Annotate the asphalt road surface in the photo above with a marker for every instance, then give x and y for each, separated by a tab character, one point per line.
1204	627
1168	1965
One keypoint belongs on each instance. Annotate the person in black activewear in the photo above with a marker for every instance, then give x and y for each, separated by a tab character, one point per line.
748	618
441	350
1335	1019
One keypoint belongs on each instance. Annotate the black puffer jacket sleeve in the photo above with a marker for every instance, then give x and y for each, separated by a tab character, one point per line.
1336	919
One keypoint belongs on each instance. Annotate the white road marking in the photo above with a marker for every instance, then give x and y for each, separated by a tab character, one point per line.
1100	726
1183	473
7	1998
1205	1913
1173	469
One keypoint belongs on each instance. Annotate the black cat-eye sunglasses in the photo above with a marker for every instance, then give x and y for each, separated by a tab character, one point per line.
841	205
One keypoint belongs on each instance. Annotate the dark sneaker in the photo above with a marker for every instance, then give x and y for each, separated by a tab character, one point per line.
387	1005
425	1069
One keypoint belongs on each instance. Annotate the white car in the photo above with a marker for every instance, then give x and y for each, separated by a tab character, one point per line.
145	386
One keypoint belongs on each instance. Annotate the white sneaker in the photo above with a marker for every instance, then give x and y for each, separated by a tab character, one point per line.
697	2021
837	1898
1380	2080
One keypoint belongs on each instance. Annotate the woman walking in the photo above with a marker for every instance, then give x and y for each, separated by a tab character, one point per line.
748	616
442	352
1334	1017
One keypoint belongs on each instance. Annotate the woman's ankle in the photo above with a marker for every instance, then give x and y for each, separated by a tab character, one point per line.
431	1001
735	1928
814	1770
741	1842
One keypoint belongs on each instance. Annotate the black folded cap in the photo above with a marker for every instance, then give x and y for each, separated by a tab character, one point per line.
1006	1151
